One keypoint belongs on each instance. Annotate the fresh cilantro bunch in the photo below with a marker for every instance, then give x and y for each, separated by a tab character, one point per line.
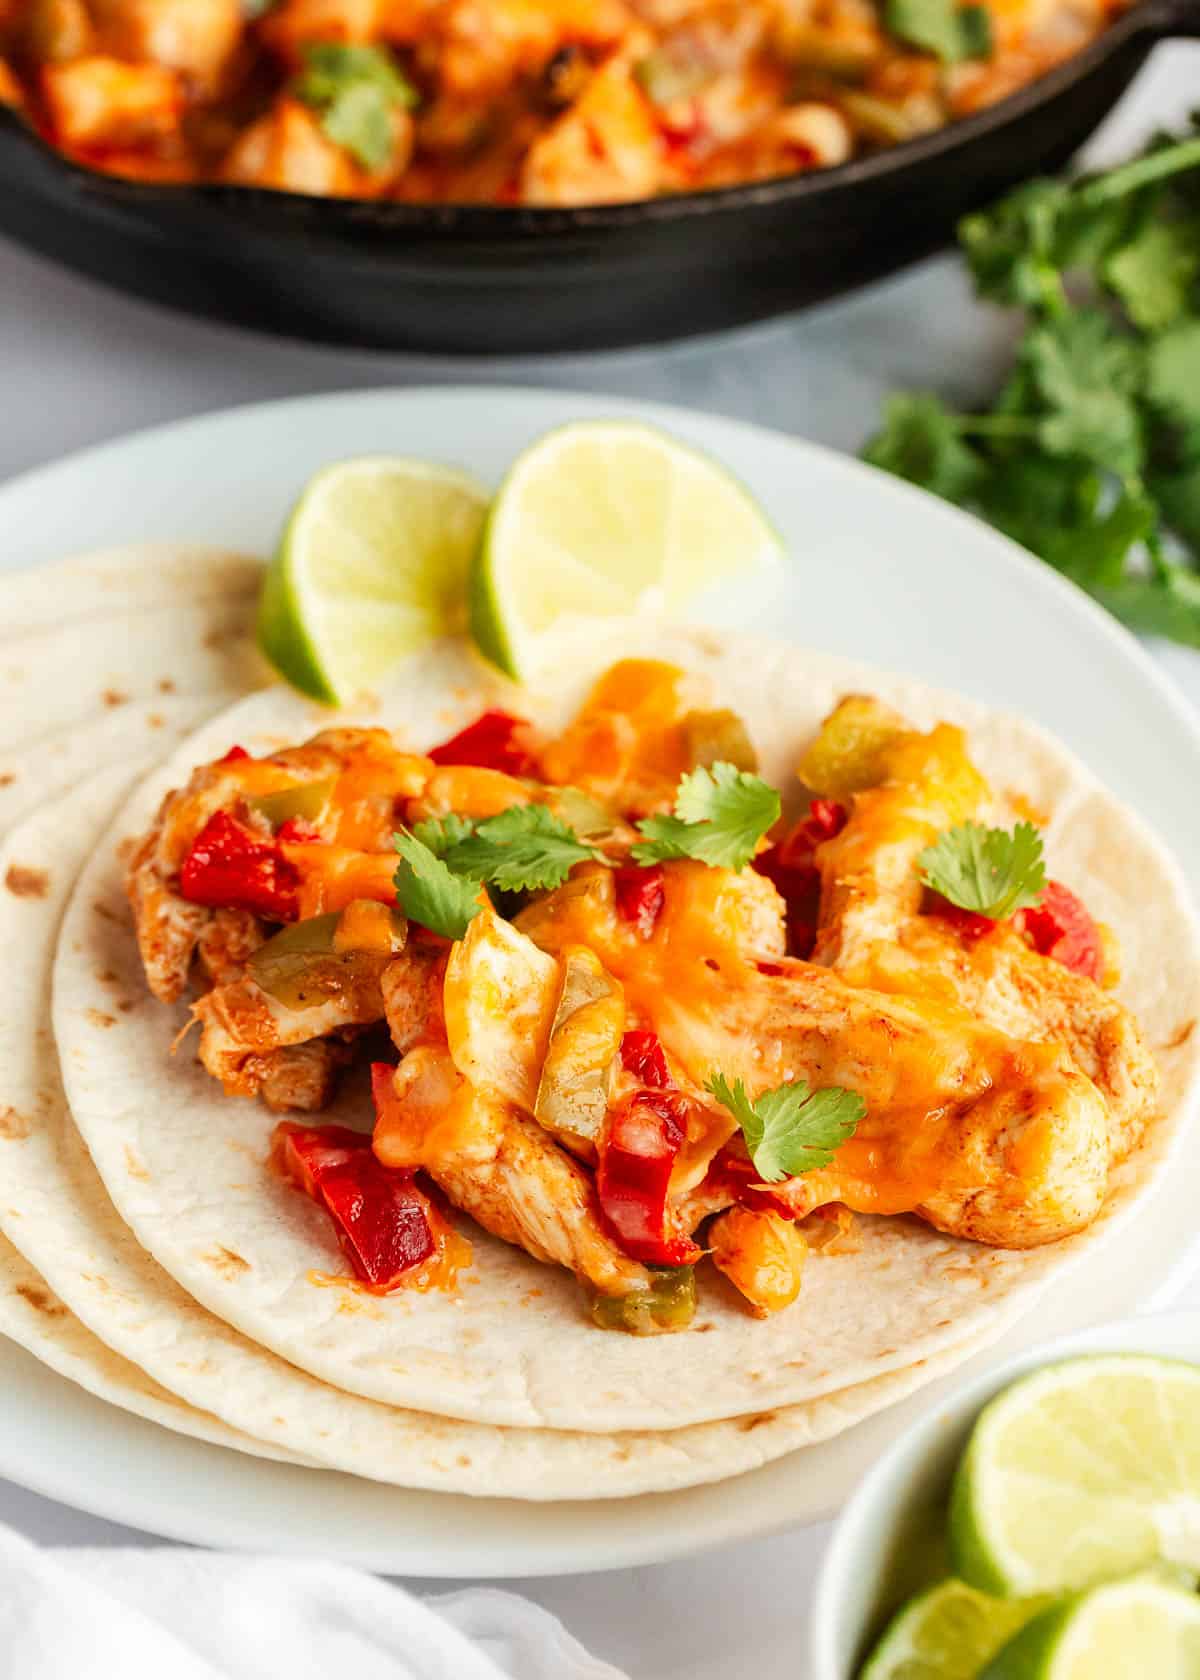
357	91
1090	455
792	1129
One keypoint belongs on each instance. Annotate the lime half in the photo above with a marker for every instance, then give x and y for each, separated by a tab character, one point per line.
1082	1472
947	1633
601	518
372	564
1132	1628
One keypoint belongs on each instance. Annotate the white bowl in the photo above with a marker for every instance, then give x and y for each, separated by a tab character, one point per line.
884	1534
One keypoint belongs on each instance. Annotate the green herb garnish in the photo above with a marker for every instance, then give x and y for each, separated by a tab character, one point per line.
721	813
792	1129
1090	455
431	893
986	870
941	27
357	91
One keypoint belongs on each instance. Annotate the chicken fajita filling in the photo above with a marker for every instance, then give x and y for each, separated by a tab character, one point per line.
627	1016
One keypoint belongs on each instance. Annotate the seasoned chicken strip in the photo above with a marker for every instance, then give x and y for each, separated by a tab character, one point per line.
872	931
500	1168
241	1025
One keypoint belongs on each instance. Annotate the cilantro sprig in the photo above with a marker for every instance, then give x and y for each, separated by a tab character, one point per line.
357	90
792	1129
720	815
986	870
1090	454
431	893
942	27
445	861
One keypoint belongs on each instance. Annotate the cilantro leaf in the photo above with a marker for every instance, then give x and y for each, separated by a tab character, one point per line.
1173	372
922	441
792	1129
443	834
985	869
357	90
721	813
1085	377
524	849
941	27
1154	272
429	892
1012	248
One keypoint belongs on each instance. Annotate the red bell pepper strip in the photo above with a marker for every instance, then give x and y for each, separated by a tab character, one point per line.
1061	926
640	895
228	867
737	1175
233	755
969	923
492	742
633	1179
382	1221
642	1056
791	868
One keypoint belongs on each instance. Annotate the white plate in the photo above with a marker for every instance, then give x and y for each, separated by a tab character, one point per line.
880	572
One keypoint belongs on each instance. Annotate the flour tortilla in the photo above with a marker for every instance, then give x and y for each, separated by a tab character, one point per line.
54	680
183	1164
31	775
124	581
54	1207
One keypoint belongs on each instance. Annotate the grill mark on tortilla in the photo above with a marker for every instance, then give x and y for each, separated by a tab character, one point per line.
23	882
1181	1035
41	1300
7	778
225	1261
759	1418
99	1019
14	1124
114	697
165	685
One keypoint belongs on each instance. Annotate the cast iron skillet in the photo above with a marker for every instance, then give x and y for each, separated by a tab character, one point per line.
488	280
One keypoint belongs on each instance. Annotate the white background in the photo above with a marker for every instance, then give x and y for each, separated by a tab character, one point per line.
79	365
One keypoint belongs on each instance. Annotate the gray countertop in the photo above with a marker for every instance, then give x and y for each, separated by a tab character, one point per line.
79	365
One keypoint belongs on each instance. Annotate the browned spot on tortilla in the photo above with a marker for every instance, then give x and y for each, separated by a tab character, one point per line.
114	697
1180	1036
14	1124
103	910
106	977
165	685
124	1007
703	1329
622	1455
747	1424
279	1420
41	1300
155	720
26	883
225	1261
126	848
214	638
99	1019
463	1461
7	778
135	1166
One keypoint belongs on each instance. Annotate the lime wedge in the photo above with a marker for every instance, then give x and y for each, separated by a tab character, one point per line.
1082	1472
372	564
947	1633
1127	1629
601	518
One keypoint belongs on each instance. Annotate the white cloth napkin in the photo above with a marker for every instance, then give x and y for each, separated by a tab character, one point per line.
170	1613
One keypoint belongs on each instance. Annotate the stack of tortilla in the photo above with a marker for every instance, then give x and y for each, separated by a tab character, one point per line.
149	1255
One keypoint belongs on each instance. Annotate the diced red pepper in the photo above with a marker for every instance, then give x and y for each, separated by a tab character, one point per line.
299	832
633	1179
640	895
230	868
381	1219
737	1175
233	755
494	741
1061	926
642	1056
791	868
